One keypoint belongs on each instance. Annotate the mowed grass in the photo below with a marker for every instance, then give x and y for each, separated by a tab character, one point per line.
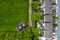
11	13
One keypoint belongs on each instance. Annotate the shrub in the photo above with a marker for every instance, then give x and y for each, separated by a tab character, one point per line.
54	25
54	3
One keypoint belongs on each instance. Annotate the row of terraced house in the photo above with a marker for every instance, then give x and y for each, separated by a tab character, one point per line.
49	23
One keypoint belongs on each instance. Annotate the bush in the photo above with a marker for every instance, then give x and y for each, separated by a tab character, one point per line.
54	3
54	25
54	11
55	18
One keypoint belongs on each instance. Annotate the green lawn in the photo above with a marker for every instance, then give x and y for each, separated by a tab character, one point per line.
11	13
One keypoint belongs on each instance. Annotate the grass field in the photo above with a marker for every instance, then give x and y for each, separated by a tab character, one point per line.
11	13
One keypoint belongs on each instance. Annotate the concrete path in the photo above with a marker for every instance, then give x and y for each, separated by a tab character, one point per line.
30	13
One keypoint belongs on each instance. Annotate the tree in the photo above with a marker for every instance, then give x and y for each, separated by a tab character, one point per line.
36	17
35	5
